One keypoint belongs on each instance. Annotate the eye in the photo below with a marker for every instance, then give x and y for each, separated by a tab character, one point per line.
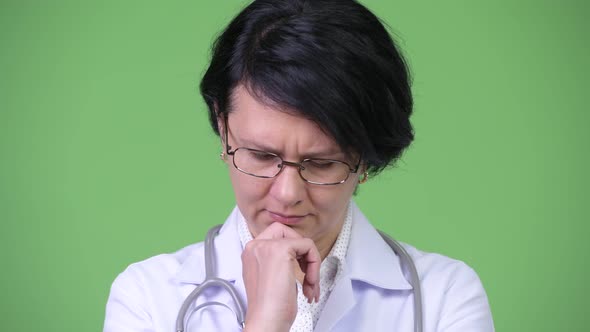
320	163
261	155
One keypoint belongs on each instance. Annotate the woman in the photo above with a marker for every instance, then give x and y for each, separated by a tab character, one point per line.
309	98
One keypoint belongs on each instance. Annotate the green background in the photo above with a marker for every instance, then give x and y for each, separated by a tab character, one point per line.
106	157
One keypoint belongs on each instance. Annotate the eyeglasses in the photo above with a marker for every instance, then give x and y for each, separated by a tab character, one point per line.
264	164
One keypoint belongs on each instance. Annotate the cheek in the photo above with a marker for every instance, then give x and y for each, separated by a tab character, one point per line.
247	189
250	193
332	201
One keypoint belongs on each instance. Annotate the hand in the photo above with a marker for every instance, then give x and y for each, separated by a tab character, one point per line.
271	263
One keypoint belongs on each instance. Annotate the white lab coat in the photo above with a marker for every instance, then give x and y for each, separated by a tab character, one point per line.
371	295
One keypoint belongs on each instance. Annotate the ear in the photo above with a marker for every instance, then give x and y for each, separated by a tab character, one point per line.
363	168
362	173
222	133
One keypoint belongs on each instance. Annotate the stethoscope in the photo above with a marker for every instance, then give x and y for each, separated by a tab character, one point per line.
212	281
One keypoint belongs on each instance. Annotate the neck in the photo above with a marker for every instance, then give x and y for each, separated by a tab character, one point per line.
325	243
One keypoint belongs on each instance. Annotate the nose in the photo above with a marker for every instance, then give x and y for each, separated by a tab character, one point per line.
288	187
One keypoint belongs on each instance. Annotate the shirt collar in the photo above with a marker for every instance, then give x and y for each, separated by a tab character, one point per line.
243	231
333	266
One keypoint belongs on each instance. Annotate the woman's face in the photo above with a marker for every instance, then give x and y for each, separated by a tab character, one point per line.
314	211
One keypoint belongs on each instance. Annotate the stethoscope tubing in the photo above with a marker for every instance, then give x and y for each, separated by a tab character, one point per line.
210	281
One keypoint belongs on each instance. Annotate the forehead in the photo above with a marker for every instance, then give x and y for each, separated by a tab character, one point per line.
265	124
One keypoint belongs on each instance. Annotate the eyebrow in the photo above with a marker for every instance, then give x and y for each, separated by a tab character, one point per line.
314	154
259	146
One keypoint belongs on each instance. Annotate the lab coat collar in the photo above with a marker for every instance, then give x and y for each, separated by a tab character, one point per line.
227	245
370	259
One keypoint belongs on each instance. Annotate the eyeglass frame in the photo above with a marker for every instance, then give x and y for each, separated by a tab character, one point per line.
284	163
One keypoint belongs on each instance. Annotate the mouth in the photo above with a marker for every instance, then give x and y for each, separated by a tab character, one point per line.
286	218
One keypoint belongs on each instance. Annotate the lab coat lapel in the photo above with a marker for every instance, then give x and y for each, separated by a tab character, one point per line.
369	260
340	301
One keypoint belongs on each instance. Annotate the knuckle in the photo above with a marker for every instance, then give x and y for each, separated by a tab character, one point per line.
250	245
309	242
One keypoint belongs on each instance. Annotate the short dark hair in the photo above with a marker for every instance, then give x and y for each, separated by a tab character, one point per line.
332	61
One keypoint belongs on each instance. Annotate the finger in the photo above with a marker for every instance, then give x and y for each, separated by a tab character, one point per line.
308	256
305	252
277	230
